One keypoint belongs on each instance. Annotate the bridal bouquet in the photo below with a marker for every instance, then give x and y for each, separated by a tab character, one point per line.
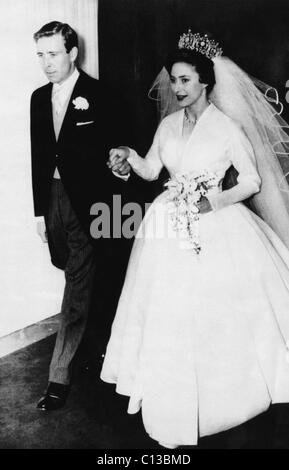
184	193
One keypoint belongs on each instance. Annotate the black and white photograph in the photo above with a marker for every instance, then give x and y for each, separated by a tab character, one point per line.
144	227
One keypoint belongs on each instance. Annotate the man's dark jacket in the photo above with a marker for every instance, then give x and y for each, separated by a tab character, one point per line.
81	151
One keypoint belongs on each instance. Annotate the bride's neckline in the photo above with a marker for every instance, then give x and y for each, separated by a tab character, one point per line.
187	135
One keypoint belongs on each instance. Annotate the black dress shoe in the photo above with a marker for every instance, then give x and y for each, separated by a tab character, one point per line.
54	398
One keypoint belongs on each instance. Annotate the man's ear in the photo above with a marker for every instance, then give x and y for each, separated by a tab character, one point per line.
73	54
204	86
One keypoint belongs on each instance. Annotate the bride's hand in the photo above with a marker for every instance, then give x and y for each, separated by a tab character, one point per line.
204	205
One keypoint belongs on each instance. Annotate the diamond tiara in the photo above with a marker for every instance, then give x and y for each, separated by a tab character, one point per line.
202	44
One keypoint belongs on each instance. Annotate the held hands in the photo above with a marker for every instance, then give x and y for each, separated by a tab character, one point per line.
118	160
204	205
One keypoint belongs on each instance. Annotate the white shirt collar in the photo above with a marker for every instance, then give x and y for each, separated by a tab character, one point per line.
64	89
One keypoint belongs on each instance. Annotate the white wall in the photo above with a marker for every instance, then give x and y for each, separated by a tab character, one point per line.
30	287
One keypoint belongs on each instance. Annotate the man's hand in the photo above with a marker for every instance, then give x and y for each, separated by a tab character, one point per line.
123	168
118	161
41	230
204	205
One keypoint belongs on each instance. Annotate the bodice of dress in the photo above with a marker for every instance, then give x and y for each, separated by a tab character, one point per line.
215	144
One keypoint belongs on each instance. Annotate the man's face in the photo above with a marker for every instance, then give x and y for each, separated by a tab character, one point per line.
56	62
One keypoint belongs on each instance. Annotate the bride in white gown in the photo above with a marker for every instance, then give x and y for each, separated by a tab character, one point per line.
201	334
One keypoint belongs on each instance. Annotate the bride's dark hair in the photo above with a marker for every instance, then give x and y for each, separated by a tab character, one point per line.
204	66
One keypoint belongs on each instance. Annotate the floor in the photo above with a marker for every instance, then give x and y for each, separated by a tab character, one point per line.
94	416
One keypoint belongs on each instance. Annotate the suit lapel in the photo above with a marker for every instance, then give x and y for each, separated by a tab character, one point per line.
48	114
68	121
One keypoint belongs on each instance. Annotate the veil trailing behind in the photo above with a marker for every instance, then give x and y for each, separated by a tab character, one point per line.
247	101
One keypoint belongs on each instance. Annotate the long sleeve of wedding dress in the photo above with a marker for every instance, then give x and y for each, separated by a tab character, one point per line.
149	167
243	160
239	153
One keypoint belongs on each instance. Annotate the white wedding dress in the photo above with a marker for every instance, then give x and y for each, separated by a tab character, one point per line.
200	341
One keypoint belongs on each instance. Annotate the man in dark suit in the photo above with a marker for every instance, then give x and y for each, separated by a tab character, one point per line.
72	128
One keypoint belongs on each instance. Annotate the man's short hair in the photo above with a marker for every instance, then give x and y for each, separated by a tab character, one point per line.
56	27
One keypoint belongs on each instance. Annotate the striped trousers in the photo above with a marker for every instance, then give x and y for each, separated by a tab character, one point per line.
70	250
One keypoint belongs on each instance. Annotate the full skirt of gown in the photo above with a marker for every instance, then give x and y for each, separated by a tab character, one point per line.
200	341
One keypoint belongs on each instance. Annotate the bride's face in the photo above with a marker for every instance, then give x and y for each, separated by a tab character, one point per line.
185	84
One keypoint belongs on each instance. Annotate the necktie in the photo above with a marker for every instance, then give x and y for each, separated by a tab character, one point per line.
57	102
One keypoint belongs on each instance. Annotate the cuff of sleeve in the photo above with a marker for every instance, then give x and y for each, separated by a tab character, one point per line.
122	177
213	200
132	158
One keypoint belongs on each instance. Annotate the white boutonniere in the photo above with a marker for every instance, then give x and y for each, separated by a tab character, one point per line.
80	103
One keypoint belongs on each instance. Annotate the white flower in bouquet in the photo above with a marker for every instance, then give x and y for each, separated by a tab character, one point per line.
184	193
